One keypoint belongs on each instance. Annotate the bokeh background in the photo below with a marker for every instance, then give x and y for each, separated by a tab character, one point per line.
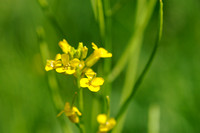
172	84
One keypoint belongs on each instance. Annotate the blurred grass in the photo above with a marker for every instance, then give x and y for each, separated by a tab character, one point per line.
172	82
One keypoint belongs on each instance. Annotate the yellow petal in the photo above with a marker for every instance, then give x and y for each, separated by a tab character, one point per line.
107	126
84	52
103	129
70	71
60	69
80	45
90	73
77	52
48	68
94	88
58	57
104	53
49	65
102	118
94	46
111	123
75	109
65	59
84	82
75	62
58	63
64	46
97	81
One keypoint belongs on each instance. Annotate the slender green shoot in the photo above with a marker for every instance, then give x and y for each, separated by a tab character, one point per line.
108	106
73	100
108	45
146	68
101	18
142	21
116	7
94	8
51	17
154	119
81	106
53	85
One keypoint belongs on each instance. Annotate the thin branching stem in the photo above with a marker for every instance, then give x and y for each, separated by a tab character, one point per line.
53	85
51	17
81	125
147	66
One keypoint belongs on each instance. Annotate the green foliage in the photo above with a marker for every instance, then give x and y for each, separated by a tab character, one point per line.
171	87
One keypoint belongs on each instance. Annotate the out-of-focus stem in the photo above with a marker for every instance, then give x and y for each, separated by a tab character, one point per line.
81	125
51	77
108	45
142	21
154	119
116	7
140	79
101	18
53	85
108	106
51	17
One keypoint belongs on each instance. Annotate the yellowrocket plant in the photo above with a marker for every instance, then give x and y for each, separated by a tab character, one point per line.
75	62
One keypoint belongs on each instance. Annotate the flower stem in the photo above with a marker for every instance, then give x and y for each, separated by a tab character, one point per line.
108	45
108	106
81	125
53	85
51	17
101	18
81	99
146	68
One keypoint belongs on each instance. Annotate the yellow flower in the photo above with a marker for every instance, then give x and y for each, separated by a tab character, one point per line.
81	51
96	55
53	64
71	112
101	52
105	123
92	82
64	45
69	66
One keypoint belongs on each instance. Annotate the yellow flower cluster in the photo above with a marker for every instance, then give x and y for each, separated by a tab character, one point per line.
69	61
71	112
106	124
73	61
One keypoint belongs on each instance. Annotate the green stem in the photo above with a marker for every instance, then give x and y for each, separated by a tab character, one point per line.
101	18
80	90
116	7
53	85
108	106
81	99
51	17
141	77
143	17
81	125
73	100
108	45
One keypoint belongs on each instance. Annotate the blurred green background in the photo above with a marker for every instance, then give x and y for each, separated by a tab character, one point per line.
172	84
